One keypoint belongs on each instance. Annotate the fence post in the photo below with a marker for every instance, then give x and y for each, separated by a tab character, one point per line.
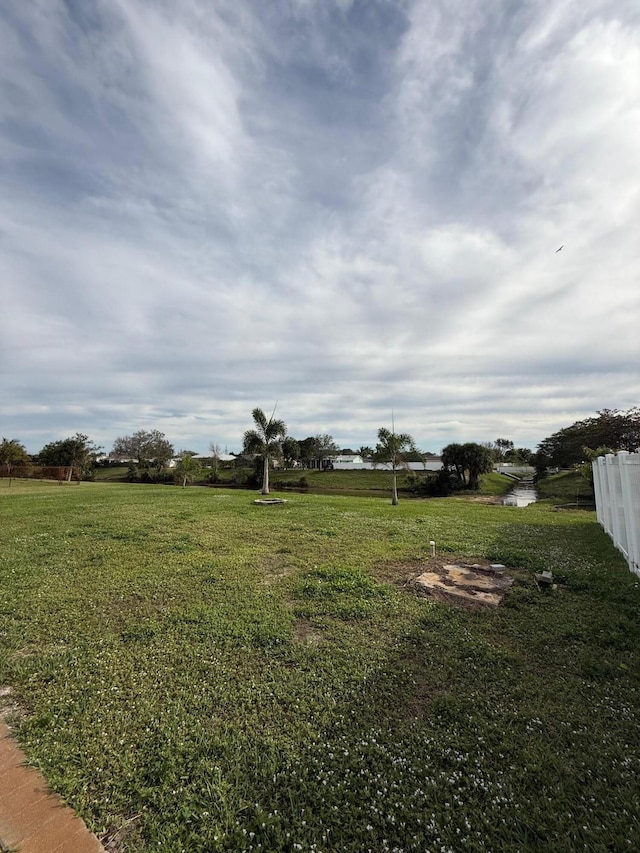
617	504
630	480
598	490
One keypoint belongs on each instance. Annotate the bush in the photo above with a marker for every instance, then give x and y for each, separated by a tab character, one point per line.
439	484
302	483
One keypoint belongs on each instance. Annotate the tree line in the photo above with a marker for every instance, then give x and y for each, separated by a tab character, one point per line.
149	451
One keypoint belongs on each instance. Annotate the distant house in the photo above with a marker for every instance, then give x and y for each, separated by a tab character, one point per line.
348	462
346	459
355	462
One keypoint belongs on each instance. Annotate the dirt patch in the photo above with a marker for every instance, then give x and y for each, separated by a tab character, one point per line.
274	567
421	698
402	573
306	633
465	581
126	836
48	649
475	585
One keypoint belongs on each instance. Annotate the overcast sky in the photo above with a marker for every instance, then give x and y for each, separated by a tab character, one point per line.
345	207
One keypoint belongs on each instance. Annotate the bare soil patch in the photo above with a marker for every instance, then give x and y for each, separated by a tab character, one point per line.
305	632
125	837
467	582
472	585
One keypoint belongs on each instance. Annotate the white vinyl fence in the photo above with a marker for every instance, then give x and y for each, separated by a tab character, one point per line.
616	481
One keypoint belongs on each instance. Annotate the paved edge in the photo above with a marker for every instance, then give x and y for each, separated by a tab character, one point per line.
32	818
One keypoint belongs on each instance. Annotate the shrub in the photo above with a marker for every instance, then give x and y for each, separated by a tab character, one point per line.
438	484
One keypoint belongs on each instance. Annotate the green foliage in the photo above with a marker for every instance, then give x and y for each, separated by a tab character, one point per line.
445	482
314	449
149	448
393	447
188	469
12	454
237	677
519	456
290	451
468	461
365	481
433	483
323	446
77	453
307	449
611	428
586	469
265	441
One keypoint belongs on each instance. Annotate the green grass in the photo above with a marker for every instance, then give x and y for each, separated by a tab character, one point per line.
211	675
565	487
113	473
495	485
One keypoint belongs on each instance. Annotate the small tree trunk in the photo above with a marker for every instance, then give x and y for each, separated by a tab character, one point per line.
265	476
184	482
394	490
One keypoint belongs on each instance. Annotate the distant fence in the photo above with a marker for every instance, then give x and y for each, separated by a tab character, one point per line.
616	482
39	472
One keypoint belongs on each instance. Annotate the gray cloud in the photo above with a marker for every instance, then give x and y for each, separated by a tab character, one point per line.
347	207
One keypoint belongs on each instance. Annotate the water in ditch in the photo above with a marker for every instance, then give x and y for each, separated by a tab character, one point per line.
522	494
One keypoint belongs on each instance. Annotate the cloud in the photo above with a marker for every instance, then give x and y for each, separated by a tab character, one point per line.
346	207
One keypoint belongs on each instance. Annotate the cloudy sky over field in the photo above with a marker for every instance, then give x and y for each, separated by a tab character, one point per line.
345	206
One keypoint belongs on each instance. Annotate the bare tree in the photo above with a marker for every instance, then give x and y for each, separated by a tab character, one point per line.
215	460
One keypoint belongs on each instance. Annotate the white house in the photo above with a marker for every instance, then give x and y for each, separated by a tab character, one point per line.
355	462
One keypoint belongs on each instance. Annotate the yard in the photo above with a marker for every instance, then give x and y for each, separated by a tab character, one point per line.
194	672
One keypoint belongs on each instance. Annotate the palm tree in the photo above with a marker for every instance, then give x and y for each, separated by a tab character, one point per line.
391	447
187	468
264	440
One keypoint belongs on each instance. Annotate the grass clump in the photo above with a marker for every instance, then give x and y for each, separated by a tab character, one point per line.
213	677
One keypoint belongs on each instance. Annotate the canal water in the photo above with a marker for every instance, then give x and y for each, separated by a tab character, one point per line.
522	494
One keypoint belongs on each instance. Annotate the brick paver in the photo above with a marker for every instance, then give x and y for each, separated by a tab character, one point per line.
32	819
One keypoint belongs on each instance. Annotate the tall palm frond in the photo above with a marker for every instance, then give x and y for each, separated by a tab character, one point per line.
264	440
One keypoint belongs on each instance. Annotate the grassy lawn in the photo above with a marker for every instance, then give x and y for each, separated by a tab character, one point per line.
494	485
115	473
208	675
566	487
